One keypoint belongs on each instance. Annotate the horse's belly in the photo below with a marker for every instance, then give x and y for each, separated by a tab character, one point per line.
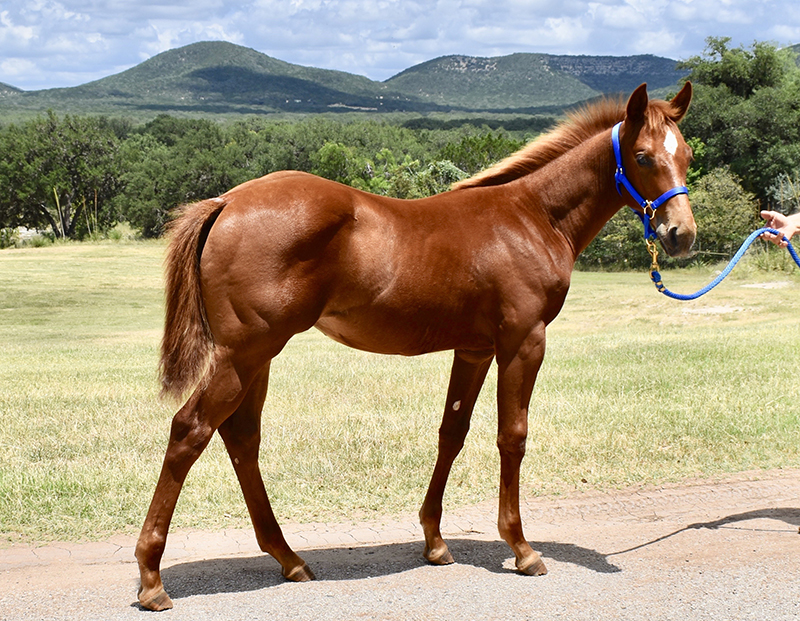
399	336
339	333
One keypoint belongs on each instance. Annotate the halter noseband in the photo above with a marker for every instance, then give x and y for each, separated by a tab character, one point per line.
648	207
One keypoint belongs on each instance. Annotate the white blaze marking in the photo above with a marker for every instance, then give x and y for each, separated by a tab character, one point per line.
671	143
456	406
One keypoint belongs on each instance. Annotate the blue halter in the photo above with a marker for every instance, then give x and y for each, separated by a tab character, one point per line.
648	207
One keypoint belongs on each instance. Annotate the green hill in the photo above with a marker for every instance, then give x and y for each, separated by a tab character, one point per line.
516	81
619	74
7	89
213	78
522	81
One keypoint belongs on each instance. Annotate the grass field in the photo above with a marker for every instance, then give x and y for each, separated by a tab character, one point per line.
636	388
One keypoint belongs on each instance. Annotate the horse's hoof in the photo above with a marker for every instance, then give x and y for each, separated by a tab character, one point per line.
159	601
301	573
438	556
532	567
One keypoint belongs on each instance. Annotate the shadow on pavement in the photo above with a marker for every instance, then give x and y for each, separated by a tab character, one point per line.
789	515
236	575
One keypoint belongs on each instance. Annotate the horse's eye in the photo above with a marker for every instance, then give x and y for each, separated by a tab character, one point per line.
643	160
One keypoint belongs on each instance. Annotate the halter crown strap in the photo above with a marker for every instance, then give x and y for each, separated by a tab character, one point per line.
648	207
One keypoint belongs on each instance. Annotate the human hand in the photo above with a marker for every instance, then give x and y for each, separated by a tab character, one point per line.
787	225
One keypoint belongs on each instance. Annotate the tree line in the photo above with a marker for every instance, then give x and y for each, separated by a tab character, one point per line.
78	176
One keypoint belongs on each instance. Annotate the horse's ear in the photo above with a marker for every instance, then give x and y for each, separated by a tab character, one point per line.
637	104
680	103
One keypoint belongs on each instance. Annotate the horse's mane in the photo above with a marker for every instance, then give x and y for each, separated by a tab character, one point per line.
579	126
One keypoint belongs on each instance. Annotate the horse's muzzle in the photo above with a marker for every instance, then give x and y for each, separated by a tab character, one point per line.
677	239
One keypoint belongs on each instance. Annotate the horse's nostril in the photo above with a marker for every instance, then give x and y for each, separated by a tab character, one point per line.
672	234
678	240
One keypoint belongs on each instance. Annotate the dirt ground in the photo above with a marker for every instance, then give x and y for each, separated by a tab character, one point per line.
718	549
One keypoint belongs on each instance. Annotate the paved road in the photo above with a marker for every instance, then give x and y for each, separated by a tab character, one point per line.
716	550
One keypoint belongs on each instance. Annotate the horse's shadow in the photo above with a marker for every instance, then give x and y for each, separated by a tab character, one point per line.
785	514
237	575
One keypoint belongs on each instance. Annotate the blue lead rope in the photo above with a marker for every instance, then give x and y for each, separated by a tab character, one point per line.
655	276
649	210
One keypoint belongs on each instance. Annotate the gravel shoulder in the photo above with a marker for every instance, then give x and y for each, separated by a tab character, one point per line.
717	549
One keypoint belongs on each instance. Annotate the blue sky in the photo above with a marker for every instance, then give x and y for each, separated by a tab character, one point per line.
53	43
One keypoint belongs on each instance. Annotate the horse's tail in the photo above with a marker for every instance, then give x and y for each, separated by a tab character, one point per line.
187	342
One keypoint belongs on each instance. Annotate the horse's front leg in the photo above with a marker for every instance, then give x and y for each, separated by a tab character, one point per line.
466	378
517	371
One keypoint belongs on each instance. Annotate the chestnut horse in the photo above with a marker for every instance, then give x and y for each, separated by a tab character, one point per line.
481	270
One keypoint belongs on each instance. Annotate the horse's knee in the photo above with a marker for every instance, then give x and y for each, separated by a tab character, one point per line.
452	439
512	445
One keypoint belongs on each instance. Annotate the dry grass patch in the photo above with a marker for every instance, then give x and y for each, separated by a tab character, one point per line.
636	388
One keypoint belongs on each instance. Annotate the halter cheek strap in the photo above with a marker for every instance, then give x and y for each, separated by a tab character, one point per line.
648	207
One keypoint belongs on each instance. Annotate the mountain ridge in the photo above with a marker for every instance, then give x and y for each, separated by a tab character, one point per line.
217	77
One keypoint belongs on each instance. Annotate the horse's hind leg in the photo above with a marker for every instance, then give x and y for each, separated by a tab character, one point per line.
241	433
466	378
192	429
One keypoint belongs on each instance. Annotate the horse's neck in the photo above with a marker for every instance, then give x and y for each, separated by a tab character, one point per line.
578	191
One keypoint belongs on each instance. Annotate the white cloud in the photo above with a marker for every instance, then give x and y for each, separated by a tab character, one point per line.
785	34
16	67
162	35
11	32
67	42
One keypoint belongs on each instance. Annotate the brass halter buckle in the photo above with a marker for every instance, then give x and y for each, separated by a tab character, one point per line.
653	250
655	276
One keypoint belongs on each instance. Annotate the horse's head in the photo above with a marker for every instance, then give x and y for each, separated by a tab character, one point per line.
655	158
